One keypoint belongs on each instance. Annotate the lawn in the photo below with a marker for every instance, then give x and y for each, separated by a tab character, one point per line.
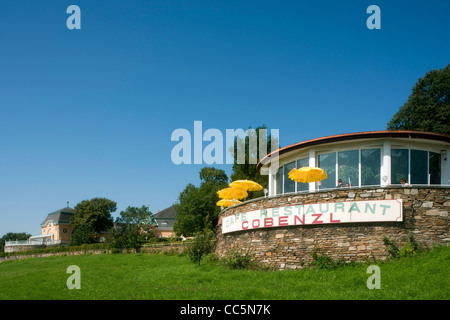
163	277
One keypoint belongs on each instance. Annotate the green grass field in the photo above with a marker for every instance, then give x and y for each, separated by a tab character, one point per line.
162	277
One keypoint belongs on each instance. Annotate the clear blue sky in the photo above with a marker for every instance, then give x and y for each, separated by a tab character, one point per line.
89	113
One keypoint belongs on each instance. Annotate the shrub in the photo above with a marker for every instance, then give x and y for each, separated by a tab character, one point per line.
239	259
200	246
324	261
391	247
411	247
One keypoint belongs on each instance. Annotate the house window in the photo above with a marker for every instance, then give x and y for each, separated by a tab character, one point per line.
370	167
434	167
417	166
362	167
289	184
327	162
399	165
302	163
280	180
348	167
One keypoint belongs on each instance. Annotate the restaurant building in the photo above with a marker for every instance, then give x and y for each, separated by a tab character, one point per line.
348	214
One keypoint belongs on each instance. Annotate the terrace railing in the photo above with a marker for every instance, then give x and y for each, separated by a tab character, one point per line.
31	242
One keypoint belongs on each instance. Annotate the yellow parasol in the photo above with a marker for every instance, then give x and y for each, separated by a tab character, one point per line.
307	174
232	193
246	185
227	202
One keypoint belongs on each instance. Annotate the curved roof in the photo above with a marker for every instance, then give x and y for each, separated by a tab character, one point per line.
356	136
59	216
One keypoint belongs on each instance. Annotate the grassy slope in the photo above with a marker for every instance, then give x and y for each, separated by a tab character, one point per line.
159	277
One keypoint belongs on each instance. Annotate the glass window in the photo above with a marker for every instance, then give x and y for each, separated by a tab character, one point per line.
348	165
419	165
302	163
399	165
279	180
327	162
370	167
434	163
289	185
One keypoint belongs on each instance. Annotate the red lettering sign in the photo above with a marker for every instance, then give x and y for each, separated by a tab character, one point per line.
318	215
268	222
283	221
331	219
300	220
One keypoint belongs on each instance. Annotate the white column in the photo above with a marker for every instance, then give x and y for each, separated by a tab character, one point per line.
312	163
386	164
272	182
445	165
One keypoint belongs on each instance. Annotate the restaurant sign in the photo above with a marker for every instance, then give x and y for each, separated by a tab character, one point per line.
317	213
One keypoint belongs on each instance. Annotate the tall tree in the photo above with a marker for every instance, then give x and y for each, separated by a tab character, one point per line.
428	106
92	217
196	207
247	170
132	228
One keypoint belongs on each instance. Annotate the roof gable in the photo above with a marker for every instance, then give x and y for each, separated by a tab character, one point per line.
168	213
165	218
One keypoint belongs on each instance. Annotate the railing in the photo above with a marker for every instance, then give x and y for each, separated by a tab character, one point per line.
31	242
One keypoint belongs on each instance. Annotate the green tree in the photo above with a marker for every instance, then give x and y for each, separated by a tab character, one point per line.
132	228
13	236
84	233
196	207
92	217
247	170
428	106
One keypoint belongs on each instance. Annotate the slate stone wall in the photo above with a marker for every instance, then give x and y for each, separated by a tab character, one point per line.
425	215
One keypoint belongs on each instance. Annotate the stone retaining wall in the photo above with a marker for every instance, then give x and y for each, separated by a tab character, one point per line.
156	248
23	247
425	215
52	254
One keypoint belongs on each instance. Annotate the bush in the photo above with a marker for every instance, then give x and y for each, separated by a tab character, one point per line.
410	248
200	246
324	261
391	247
238	259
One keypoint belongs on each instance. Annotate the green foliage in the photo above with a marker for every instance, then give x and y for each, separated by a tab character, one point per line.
247	170
196	207
391	247
428	106
410	248
324	261
84	233
132	228
95	213
201	246
239	259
